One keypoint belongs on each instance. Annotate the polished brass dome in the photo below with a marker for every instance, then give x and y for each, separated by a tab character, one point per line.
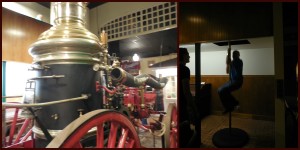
68	41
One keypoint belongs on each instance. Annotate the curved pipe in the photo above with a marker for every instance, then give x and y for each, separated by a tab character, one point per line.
157	83
107	90
121	76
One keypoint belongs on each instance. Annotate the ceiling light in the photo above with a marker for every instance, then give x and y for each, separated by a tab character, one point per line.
39	17
196	19
15	32
135	57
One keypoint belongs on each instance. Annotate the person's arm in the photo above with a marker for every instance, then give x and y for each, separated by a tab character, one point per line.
228	59
297	71
186	91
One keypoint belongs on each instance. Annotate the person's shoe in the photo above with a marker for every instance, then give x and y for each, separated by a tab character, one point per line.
227	110
236	107
194	142
236	103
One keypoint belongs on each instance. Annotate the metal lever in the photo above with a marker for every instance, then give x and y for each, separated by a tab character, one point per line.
38	68
48	77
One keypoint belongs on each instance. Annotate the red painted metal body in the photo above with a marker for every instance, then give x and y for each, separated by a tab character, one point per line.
133	99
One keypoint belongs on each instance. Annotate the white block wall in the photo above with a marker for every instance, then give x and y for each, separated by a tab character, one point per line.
102	14
256	62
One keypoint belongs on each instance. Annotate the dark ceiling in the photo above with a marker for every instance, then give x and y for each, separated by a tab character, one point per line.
206	22
90	4
150	45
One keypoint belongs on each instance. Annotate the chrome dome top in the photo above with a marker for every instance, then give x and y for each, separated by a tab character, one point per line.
68	41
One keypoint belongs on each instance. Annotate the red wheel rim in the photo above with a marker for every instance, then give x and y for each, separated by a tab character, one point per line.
73	133
170	137
173	133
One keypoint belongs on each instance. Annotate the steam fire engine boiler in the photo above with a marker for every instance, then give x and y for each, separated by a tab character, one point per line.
64	57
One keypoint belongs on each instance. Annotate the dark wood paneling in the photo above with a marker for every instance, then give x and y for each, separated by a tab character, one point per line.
199	22
256	97
18	33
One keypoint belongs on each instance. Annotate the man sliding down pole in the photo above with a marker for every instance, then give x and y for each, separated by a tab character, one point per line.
235	69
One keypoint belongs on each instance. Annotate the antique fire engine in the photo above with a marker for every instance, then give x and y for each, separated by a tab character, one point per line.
69	61
75	84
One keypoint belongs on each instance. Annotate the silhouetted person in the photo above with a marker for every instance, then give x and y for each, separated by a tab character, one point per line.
188	113
235	69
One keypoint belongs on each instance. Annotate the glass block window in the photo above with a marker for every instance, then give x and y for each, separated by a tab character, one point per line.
142	22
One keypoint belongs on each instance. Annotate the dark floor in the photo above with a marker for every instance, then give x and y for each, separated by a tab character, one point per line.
261	133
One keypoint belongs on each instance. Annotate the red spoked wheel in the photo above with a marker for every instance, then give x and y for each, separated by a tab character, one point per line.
122	133
170	121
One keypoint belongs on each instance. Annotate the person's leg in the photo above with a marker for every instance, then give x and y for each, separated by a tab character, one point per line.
185	134
232	101
235	85
224	94
227	99
194	140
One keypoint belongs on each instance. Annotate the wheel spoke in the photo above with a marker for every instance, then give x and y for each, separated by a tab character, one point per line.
113	129
100	136
123	138
130	143
26	135
13	126
22	130
77	145
112	135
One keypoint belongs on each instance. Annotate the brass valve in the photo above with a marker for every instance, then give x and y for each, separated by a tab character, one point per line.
80	112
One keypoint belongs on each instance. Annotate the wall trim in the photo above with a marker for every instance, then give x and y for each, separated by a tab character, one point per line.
192	77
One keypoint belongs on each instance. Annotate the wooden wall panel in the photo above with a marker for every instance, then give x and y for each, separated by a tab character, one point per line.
256	97
203	22
18	33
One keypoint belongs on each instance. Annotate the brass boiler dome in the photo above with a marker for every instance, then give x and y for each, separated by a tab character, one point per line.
68	41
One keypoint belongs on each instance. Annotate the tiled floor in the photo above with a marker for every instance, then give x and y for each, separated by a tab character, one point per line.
261	133
149	141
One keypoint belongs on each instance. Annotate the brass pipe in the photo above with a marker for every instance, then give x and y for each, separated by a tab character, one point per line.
142	97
